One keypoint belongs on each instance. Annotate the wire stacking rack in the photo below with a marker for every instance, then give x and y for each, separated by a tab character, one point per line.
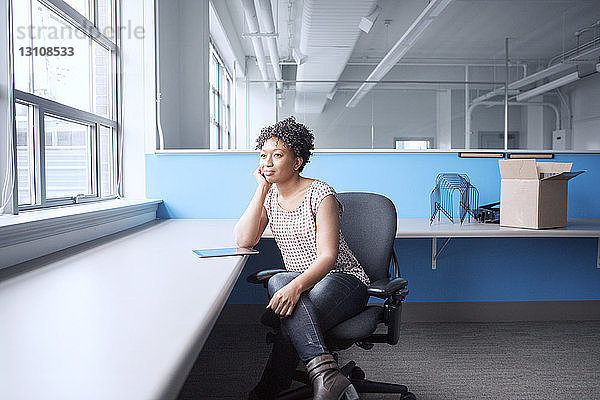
442	197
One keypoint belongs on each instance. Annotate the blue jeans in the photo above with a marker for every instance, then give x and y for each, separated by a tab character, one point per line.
335	298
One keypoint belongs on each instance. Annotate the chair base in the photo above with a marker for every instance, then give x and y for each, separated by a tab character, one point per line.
356	377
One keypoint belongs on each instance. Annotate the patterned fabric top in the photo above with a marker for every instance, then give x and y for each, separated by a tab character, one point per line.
295	232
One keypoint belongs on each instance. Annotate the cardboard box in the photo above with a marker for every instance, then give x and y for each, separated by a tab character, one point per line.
534	194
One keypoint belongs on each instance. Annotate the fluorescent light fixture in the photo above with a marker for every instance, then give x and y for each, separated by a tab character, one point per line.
414	34
565	80
433	9
437	9
366	23
360	93
555	69
331	94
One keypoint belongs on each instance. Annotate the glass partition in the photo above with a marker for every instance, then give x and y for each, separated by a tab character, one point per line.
557	101
487	75
398	115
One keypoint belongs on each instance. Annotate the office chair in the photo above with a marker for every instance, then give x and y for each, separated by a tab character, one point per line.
369	227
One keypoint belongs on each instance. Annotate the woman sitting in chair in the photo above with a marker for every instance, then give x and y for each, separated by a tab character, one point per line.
324	285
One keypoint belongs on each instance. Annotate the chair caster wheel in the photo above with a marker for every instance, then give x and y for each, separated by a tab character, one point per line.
408	396
357	373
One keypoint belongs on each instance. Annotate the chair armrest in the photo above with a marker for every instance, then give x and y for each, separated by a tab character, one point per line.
262	277
386	287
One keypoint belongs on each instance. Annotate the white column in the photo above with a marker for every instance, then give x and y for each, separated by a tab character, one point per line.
6	118
150	76
194	85
137	80
444	119
535	126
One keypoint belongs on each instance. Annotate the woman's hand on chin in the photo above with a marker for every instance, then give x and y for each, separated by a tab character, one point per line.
284	300
260	178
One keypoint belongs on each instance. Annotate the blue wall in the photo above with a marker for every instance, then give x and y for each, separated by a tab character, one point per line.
221	185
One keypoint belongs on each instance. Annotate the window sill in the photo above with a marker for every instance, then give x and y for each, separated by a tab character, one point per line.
32	234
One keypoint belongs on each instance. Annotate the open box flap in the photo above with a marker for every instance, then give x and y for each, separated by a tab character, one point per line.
563	176
553	167
518	169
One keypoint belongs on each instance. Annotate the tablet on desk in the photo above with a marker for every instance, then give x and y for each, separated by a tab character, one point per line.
225	251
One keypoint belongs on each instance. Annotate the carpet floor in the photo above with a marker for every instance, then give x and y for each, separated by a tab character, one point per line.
437	361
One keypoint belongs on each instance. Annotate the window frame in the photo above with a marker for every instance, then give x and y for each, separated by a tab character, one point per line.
45	107
225	137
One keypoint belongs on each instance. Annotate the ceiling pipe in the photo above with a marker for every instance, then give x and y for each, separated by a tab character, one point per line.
252	21
433	9
468	117
268	26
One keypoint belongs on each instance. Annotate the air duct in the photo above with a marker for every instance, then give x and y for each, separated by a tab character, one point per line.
328	35
252	21
268	26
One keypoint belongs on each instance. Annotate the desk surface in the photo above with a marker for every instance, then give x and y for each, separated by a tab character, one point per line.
420	228
123	319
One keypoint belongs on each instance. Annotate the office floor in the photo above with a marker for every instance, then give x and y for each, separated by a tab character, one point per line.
437	361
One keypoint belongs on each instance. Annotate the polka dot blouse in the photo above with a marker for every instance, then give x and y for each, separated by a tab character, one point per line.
295	232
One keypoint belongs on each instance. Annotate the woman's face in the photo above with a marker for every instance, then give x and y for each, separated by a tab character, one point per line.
277	161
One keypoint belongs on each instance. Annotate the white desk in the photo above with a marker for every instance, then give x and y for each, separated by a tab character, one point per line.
121	320
126	318
420	228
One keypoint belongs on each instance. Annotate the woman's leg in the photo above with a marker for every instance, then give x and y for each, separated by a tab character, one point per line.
278	372
335	298
338	297
283	360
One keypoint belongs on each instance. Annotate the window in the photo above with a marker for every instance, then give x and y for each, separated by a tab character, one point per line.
65	58
221	86
413	143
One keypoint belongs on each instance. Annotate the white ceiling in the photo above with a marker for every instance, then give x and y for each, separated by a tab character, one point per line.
468	30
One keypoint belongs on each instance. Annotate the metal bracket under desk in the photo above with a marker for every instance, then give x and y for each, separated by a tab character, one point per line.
435	252
422	228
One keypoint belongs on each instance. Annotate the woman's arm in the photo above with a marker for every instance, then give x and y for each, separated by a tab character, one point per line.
252	224
328	243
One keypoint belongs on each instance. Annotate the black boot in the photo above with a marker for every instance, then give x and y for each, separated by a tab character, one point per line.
327	380
278	373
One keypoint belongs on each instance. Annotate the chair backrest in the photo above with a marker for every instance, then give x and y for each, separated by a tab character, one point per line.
369	227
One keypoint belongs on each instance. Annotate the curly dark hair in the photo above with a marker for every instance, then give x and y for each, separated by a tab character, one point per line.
294	134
